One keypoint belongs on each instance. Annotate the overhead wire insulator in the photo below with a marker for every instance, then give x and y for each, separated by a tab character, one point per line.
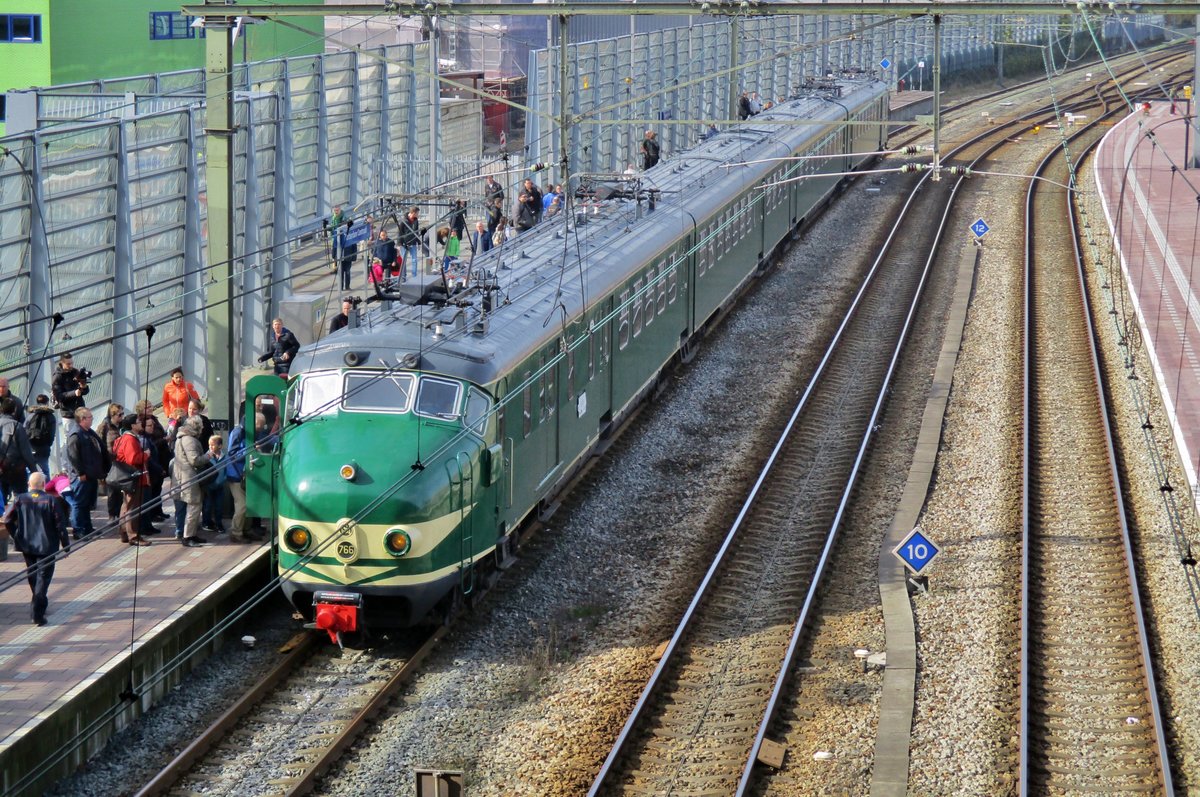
910	168
963	171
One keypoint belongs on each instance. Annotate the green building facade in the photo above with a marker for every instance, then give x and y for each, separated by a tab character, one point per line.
53	42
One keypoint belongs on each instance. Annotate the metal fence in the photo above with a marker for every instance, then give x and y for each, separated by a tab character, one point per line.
681	79
103	205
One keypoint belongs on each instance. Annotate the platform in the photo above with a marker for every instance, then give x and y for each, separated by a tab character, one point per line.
1151	204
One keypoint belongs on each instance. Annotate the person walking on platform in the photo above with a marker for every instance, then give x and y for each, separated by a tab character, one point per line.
40	427
38	528
190	459
177	392
283	348
16	455
130	453
87	463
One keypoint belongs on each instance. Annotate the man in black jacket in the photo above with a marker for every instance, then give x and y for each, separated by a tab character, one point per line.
87	464
36	523
283	348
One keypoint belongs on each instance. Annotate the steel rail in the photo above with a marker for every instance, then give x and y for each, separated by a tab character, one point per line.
1114	474
810	598
666	659
217	731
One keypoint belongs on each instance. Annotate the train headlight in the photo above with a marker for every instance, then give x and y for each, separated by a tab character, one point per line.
397	542
348	471
297	538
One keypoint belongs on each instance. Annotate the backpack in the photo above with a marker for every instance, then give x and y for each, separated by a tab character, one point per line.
40	426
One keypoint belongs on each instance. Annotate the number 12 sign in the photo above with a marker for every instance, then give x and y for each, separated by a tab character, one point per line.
916	551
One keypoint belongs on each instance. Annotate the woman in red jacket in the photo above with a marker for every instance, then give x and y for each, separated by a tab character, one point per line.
128	449
177	392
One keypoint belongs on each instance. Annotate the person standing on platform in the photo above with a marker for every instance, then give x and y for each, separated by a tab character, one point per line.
108	431
40	426
190	459
458	220
650	150
128	451
480	242
385	250
346	253
342	319
177	392
492	191
214	477
19	413
67	390
16	455
495	215
411	243
283	348
87	464
38	528
235	471
160	458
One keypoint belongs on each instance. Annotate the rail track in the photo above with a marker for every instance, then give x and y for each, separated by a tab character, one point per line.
1090	715
701	723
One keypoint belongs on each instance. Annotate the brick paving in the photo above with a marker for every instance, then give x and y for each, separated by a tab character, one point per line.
1153	207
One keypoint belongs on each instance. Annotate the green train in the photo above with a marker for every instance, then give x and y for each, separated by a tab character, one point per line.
412	447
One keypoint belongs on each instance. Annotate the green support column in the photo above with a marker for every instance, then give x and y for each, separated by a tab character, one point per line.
222	382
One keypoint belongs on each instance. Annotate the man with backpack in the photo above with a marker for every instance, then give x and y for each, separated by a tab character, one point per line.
40	427
16	455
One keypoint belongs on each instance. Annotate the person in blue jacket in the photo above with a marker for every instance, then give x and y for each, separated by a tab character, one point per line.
235	471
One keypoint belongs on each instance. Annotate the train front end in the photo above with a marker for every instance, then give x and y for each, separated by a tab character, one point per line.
377	479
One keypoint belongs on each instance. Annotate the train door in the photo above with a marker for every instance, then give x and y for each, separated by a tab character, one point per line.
599	387
264	401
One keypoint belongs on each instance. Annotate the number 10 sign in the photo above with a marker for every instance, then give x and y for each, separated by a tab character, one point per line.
916	551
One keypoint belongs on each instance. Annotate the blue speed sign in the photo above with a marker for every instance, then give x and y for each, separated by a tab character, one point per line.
916	551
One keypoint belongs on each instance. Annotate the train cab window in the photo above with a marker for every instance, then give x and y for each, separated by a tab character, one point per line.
477	412
378	392
438	398
319	394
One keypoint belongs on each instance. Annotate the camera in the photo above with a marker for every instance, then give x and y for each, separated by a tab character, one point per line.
83	375
355	301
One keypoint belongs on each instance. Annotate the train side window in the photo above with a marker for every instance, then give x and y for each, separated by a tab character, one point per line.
701	255
648	299
542	413
438	398
605	345
570	373
477	412
591	371
663	268
623	329
551	403
527	406
637	306
673	285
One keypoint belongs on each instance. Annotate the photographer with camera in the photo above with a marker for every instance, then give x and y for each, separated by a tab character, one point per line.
67	388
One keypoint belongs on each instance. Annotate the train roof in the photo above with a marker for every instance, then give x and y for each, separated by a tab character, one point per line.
550	274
